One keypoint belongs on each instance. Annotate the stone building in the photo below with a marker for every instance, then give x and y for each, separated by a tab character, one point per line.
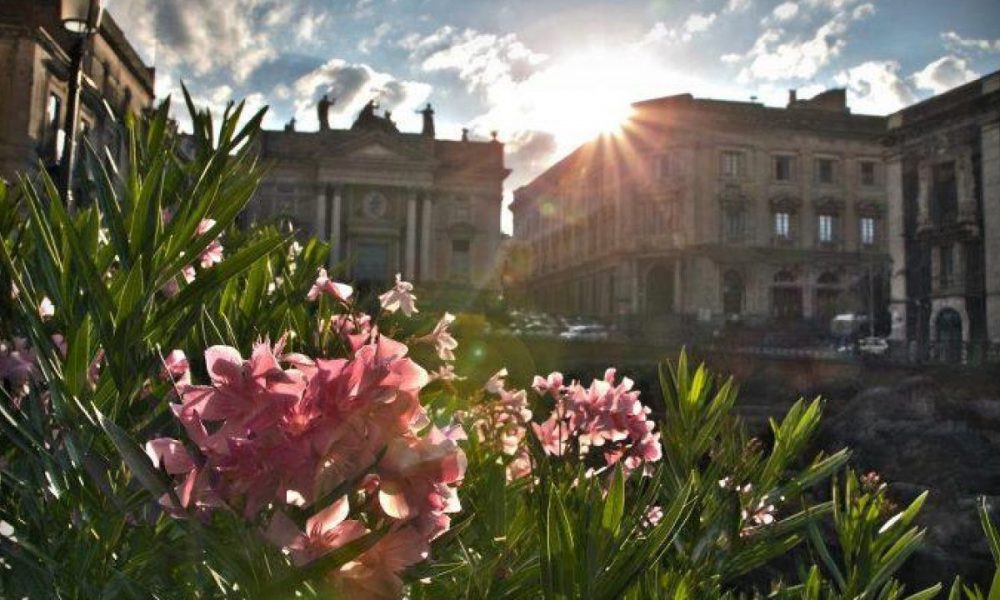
387	201
712	210
943	165
34	69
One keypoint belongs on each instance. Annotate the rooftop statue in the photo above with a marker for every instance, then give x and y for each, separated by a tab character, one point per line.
428	113
367	119
323	111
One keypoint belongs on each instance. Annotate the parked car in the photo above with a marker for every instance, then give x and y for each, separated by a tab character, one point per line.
585	333
874	346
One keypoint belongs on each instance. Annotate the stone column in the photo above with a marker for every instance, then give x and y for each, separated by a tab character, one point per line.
335	226
320	229
966	186
894	228
410	258
426	261
924	175
678	282
990	135
808	294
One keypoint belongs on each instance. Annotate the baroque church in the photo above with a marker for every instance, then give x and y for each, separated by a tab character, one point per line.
388	201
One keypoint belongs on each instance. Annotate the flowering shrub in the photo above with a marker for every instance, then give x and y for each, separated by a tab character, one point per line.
335	459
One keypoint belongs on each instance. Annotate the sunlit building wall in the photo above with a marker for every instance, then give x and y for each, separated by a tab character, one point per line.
712	210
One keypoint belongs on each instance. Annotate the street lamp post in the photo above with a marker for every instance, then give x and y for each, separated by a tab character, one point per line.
81	18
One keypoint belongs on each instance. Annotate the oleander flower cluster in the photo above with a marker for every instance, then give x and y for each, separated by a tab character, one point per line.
603	424
346	440
604	419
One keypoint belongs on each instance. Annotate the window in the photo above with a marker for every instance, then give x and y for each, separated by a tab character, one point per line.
735	224
783	166
782	225
460	258
824	170
826	228
944	196
732	164
867	172
460	210
52	134
867	231
947	266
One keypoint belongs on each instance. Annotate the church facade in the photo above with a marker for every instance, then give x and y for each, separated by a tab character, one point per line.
387	201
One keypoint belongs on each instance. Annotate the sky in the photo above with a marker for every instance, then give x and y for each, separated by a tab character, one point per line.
548	75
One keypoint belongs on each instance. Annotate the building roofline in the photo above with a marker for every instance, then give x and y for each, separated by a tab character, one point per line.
116	38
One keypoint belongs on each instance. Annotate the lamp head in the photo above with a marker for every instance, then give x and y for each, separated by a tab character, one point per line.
82	17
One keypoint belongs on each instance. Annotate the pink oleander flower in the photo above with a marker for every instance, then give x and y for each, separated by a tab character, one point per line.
18	362
176	367
606	415
326	531
400	297
324	285
415	475
441	338
280	429
519	467
356	330
445	373
46	309
553	434
375	574
496	383
654	514
551	384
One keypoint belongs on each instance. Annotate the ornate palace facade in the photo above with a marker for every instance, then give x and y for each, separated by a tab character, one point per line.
712	210
943	159
389	202
34	69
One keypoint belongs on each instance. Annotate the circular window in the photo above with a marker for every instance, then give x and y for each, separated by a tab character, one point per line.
375	205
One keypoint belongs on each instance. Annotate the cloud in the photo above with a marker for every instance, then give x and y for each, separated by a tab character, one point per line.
530	151
369	43
352	85
481	60
310	25
955	42
776	56
944	74
735	6
875	87
695	23
785	11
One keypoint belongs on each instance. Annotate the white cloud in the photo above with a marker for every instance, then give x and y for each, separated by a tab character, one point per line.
875	87
310	25
785	11
481	60
955	41
350	86
369	43
944	74
774	56
734	6
695	23
863	11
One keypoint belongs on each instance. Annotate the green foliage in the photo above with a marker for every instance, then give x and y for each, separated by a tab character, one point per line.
78	496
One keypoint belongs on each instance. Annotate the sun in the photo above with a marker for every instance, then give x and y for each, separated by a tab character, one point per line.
591	93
